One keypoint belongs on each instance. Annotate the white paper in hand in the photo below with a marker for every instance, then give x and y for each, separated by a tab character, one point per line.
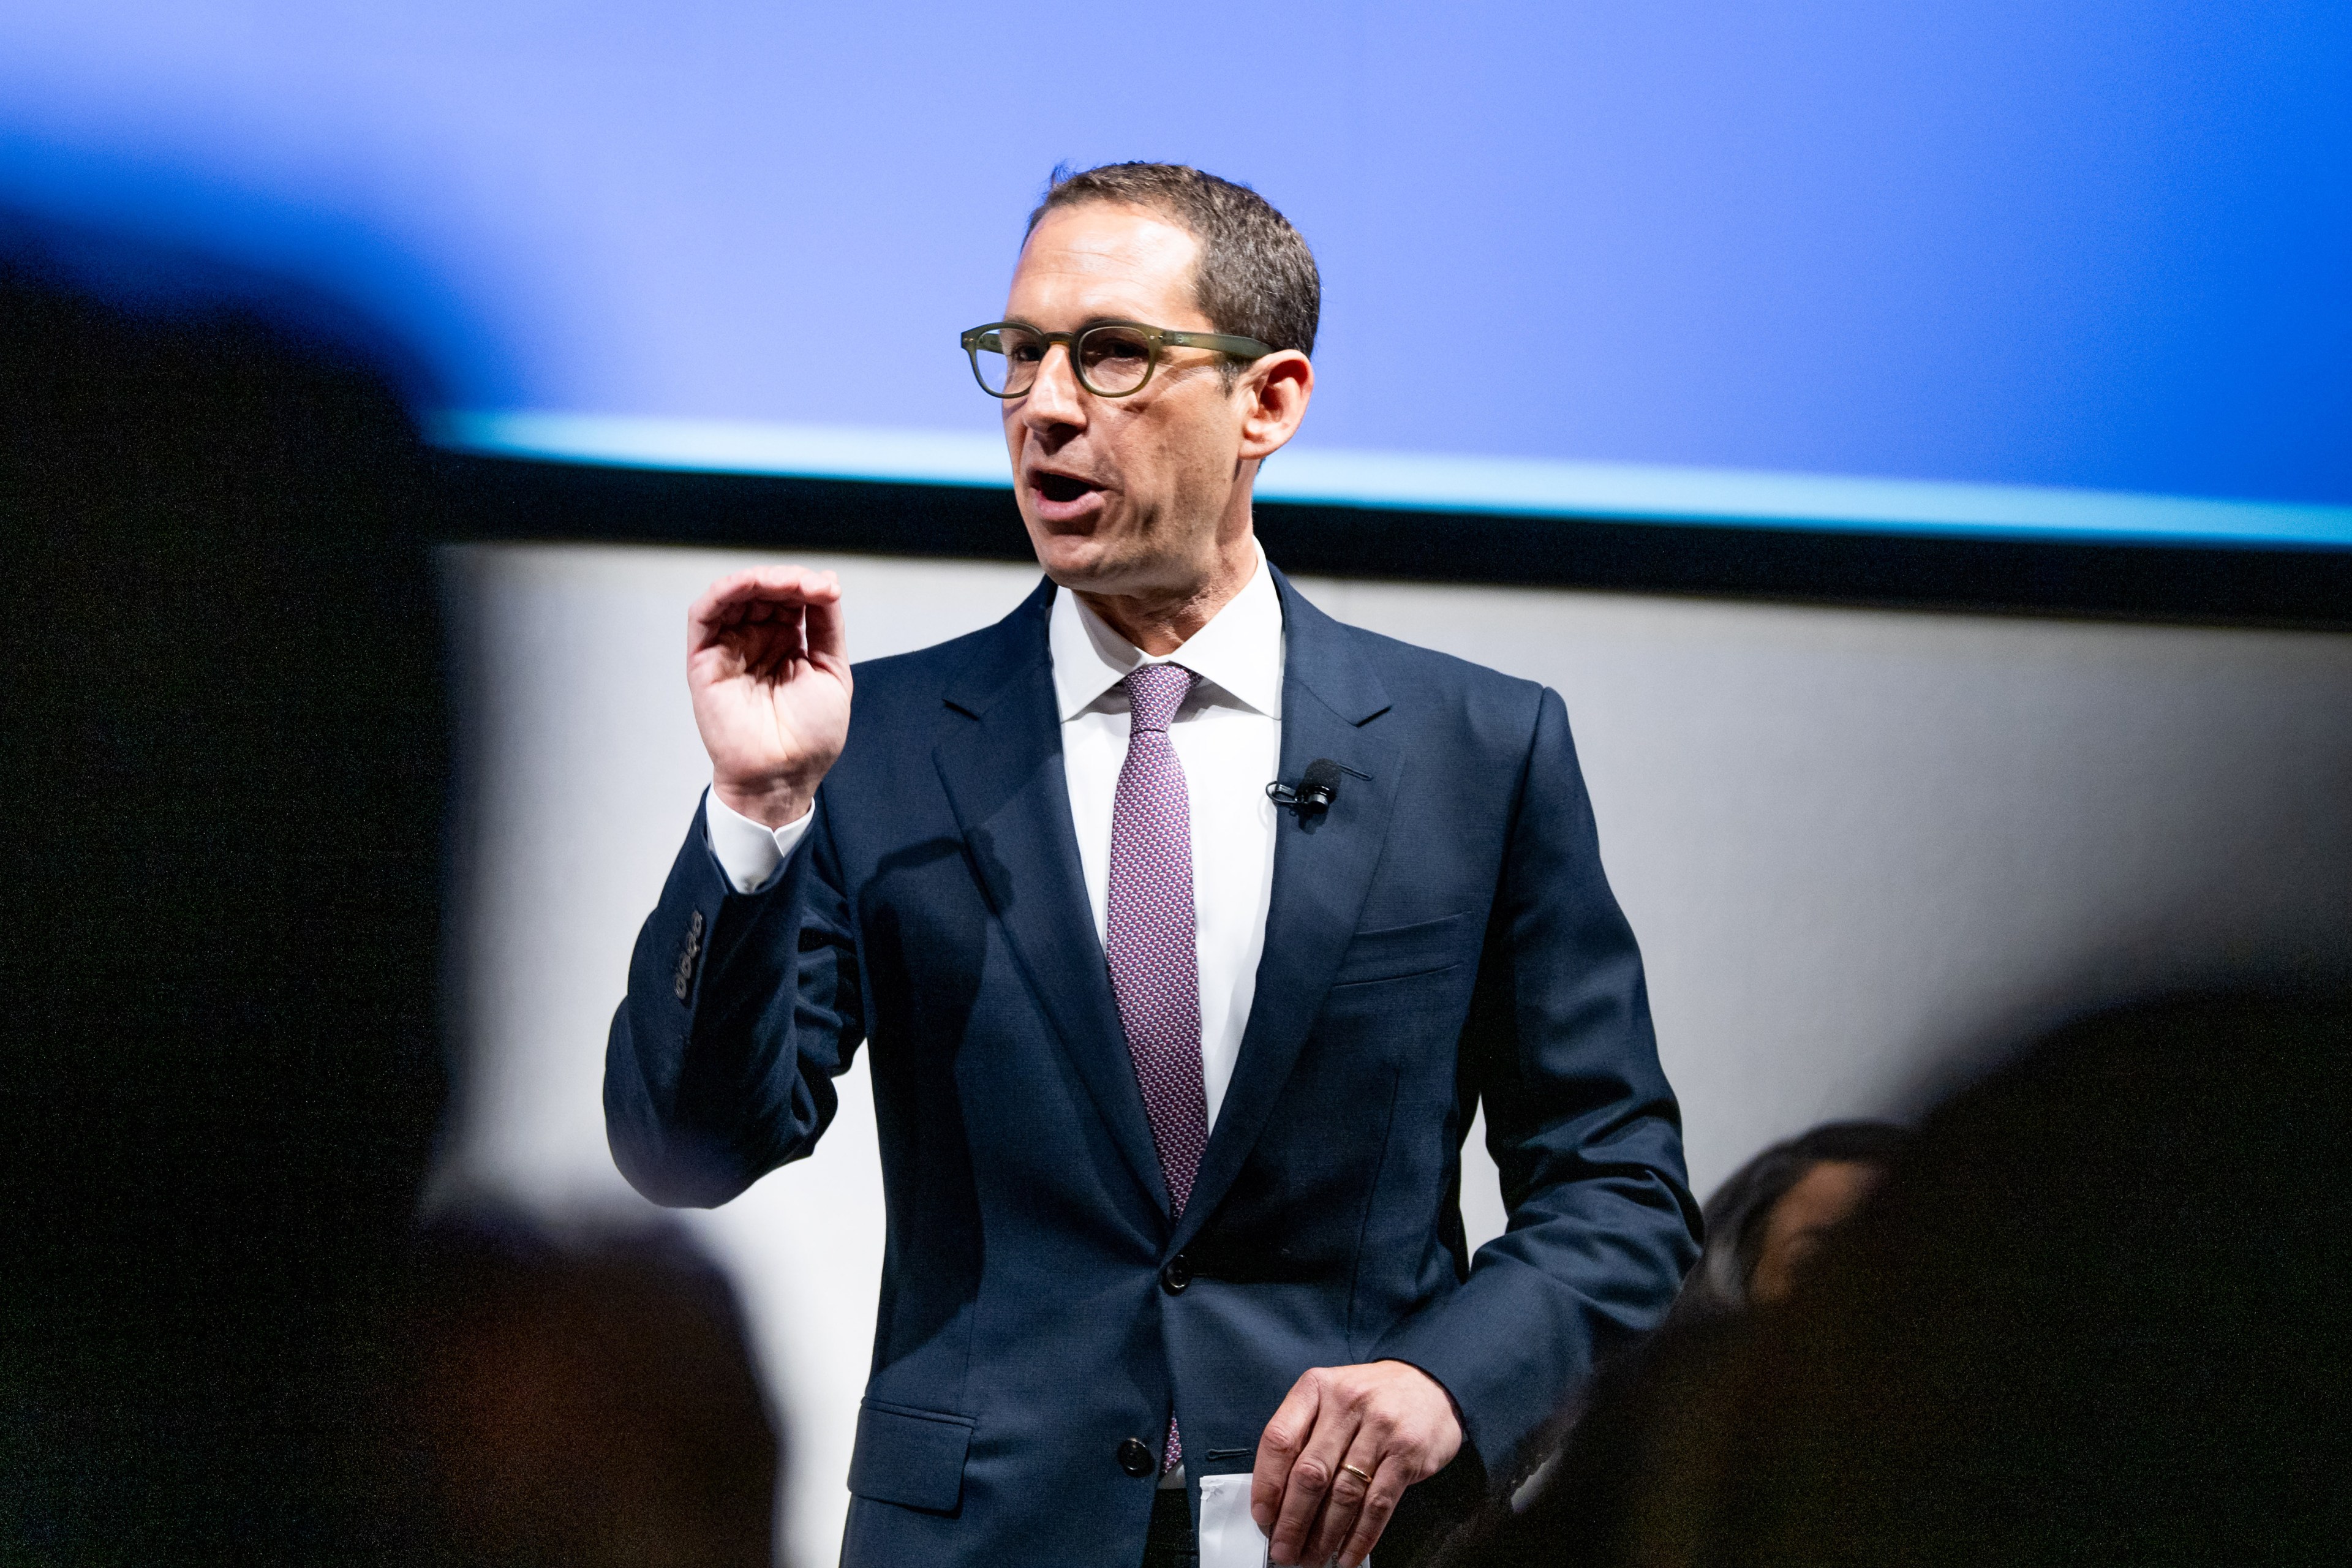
1229	1537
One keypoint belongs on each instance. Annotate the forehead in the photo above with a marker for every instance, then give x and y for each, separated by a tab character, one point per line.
1096	259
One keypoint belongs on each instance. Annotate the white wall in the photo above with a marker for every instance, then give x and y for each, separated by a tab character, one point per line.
1851	842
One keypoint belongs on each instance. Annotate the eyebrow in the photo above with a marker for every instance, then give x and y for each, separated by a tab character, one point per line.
1093	321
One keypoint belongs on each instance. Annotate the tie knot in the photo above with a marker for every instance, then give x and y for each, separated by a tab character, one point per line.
1154	692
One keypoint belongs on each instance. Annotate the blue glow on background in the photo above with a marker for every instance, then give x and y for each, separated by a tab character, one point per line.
2102	245
1498	487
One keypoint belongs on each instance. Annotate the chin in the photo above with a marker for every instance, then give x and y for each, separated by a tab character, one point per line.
1074	560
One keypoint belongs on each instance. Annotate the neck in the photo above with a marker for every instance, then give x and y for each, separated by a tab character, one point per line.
1160	622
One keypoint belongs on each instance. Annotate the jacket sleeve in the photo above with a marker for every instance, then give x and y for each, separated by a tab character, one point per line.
1581	1124
742	1009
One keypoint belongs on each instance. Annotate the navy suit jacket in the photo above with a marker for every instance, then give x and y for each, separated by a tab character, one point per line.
1441	936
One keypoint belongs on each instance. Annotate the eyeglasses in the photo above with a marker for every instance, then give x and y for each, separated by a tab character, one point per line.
1112	359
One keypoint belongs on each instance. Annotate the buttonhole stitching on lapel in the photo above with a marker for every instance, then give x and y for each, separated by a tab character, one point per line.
683	981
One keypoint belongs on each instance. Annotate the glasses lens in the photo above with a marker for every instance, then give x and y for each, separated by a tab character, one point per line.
1114	360
1007	359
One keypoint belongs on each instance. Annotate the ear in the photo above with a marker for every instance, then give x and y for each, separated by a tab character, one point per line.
1274	393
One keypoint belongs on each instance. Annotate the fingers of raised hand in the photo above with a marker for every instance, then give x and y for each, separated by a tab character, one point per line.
765	623
824	631
762	595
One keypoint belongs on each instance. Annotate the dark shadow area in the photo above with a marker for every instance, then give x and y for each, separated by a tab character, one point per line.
2094	1314
224	767
589	1401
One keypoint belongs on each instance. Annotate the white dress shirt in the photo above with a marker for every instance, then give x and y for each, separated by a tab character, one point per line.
1227	735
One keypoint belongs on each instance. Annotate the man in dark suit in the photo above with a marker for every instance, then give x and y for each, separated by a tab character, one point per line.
1172	1074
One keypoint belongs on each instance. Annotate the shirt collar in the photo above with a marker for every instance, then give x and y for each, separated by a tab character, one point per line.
1239	651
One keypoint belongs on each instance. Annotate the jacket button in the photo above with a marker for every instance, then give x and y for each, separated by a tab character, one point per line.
1176	1275
1135	1456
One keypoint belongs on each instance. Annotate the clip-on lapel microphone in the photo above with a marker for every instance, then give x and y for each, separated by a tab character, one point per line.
1316	789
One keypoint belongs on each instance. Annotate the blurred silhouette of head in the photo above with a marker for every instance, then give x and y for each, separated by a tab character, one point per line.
586	1400
220	1067
2091	1315
2095	1315
1770	1215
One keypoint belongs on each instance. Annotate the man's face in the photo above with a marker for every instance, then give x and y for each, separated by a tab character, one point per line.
1124	495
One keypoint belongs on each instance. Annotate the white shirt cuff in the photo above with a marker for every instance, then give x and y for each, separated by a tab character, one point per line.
750	852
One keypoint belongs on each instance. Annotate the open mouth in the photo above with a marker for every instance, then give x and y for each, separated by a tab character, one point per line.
1062	488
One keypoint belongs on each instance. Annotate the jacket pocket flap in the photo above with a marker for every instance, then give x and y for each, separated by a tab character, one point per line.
1399	951
908	1456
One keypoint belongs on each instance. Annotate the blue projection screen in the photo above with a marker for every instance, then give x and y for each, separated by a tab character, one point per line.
2044	269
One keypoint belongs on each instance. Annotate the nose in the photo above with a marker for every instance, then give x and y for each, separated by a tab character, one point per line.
1055	400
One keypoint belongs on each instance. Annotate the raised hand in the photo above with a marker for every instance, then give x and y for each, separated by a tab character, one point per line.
769	670
1338	1454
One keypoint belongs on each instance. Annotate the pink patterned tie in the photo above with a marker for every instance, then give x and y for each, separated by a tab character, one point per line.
1155	967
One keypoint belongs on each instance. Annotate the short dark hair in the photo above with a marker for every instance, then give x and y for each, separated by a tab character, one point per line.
1737	1211
1256	277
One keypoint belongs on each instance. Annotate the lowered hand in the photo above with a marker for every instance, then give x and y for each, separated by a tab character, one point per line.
1340	1452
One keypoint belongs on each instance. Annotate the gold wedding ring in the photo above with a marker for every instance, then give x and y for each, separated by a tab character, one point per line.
1363	1476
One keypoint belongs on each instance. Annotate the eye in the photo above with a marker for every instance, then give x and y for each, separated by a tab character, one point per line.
1114	360
1117	346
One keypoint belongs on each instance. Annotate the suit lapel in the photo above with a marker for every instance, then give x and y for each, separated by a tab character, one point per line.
1322	869
999	752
